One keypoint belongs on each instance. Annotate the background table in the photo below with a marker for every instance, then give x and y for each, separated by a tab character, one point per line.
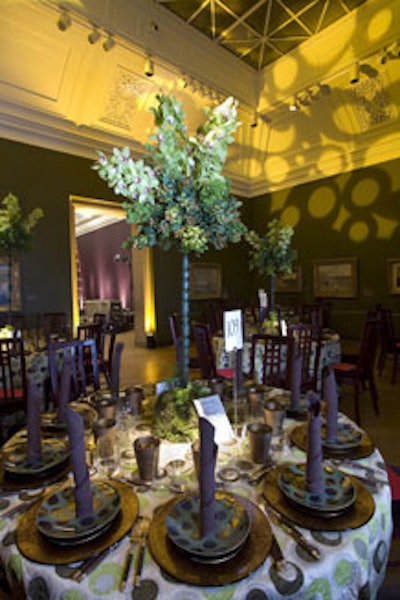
352	565
331	352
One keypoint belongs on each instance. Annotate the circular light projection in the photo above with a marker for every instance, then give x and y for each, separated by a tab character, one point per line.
284	72
379	24
291	216
365	192
321	202
344	119
359	231
276	169
330	162
282	140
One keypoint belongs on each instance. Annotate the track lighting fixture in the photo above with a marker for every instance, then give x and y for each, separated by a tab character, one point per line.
64	21
392	52
94	36
149	67
294	105
109	43
254	121
355	74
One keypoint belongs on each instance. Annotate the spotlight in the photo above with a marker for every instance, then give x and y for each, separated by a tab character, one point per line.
64	21
394	50
149	67
109	43
355	74
94	36
294	105
304	98
254	121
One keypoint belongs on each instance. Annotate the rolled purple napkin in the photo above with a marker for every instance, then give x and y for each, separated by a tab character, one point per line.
34	443
330	396
64	389
208	455
115	369
239	370
314	468
83	493
295	377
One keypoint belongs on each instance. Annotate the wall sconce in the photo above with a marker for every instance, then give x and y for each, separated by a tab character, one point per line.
64	21
355	74
94	36
149	67
109	43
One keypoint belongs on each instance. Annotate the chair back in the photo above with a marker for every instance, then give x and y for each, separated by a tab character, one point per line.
55	326
84	366
274	352
205	353
368	346
92	331
302	336
313	314
13	382
116	369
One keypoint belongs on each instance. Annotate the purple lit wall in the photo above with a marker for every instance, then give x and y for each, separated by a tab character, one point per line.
102	277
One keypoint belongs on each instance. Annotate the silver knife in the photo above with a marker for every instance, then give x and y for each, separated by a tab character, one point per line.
91	563
313	551
139	559
134	539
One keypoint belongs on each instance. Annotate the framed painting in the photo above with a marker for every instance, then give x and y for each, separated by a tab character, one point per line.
393	274
205	281
291	283
335	278
7	303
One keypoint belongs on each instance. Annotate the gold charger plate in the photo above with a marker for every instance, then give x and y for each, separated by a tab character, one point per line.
37	548
14	483
298	436
179	565
357	515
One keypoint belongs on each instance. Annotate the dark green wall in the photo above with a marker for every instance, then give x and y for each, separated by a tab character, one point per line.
326	216
351	215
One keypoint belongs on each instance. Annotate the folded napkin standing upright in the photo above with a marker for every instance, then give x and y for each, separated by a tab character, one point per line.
330	395
208	455
314	468
83	494
64	389
34	443
295	377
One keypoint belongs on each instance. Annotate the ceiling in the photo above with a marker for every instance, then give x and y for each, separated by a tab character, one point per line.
88	219
260	31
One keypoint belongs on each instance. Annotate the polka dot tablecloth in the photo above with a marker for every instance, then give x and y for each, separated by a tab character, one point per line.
352	563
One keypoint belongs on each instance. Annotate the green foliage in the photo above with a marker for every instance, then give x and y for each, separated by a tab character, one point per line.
174	415
177	195
272	254
15	228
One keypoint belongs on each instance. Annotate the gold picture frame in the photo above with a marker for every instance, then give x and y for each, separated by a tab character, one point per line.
5	304
205	281
393	275
291	283
335	278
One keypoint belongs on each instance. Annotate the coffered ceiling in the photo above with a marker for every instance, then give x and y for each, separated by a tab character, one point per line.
260	31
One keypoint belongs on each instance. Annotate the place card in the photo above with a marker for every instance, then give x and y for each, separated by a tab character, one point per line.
233	330
212	409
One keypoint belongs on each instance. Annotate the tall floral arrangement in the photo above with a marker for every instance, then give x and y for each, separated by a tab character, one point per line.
16	233
177	195
272	254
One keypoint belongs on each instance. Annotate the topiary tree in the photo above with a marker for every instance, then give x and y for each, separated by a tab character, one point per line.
271	254
16	233
177	195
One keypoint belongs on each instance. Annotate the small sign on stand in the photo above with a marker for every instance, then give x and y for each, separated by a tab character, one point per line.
233	339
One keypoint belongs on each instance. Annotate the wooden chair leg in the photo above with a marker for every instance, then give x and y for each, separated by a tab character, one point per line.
374	395
357	402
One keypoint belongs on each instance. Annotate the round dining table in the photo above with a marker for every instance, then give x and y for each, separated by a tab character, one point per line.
351	551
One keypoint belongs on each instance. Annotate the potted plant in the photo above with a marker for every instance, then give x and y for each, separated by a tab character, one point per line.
176	195
16	234
272	254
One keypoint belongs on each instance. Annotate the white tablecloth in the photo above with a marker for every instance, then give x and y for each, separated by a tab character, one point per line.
352	565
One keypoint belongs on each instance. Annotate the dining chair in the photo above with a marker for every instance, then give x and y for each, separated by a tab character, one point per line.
84	367
273	352
56	326
313	314
13	380
303	337
205	353
358	370
390	344
92	331
106	360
